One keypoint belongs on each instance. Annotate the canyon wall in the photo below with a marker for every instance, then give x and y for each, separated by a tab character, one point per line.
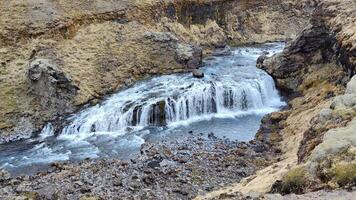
57	56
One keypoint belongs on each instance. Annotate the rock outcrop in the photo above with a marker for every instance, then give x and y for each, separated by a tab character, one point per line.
316	132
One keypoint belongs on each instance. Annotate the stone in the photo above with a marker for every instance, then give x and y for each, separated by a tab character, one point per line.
222	51
52	87
189	55
325	114
260	60
351	86
160	36
198	73
4	175
344	101
43	67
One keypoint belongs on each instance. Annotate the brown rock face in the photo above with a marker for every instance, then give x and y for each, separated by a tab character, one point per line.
313	71
318	44
53	88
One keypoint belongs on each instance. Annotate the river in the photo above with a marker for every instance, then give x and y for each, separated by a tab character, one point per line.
229	101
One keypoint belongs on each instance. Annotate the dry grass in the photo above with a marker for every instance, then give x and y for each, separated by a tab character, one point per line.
344	174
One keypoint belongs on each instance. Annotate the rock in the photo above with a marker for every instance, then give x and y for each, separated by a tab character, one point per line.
260	60
344	101
189	55
51	86
45	69
325	114
160	36
351	86
198	73
118	181
4	175
90	198
222	51
154	164
212	136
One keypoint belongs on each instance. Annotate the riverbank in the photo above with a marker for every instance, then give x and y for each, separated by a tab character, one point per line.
316	134
172	169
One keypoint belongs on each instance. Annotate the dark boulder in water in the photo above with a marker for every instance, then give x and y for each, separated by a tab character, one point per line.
225	51
198	73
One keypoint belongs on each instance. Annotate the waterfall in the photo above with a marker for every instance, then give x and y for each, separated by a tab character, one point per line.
230	99
171	99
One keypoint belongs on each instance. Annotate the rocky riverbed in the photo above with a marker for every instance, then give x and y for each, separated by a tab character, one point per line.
171	169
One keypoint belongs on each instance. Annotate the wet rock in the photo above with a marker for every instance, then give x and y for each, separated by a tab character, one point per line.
198	73
260	60
4	175
222	51
212	136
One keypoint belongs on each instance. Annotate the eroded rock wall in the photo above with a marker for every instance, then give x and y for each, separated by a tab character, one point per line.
316	133
315	70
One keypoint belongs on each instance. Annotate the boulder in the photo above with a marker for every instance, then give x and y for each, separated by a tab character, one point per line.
260	60
222	51
165	43
4	175
348	100
45	69
52	88
189	55
198	73
351	86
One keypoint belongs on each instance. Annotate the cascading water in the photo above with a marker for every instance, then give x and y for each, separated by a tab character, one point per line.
232	87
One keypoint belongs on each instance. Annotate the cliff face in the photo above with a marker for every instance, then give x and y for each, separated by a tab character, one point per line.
59	55
321	57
